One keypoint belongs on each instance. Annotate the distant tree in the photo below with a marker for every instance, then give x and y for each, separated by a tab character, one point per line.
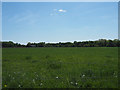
75	43
28	44
8	44
41	44
97	43
59	44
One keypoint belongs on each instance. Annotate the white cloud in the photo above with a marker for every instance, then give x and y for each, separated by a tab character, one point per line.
57	11
61	10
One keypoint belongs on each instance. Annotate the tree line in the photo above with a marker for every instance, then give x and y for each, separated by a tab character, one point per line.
97	43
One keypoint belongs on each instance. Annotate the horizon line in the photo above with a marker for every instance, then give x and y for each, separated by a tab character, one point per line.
55	42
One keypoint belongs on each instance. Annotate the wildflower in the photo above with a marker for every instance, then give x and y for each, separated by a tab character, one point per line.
76	83
19	85
57	77
5	85
83	75
71	82
41	84
33	80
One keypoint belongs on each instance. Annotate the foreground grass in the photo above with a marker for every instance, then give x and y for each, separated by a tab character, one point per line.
92	67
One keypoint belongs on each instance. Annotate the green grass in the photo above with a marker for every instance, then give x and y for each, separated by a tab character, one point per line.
85	67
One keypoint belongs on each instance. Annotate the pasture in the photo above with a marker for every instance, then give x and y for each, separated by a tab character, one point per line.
70	67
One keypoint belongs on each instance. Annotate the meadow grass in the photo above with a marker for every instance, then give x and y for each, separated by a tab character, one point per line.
83	67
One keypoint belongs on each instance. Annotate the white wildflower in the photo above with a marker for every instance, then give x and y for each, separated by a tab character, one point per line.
41	84
19	85
76	83
57	77
83	75
33	80
71	82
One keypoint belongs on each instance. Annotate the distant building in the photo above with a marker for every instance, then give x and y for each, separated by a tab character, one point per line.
32	45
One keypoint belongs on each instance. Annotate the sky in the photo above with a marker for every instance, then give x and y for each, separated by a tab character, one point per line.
24	22
60	0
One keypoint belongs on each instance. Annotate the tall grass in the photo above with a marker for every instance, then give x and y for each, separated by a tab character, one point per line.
95	67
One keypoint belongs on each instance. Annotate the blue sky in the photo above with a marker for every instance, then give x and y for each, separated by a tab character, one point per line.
24	22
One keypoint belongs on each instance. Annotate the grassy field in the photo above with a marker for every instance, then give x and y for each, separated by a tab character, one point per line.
85	67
